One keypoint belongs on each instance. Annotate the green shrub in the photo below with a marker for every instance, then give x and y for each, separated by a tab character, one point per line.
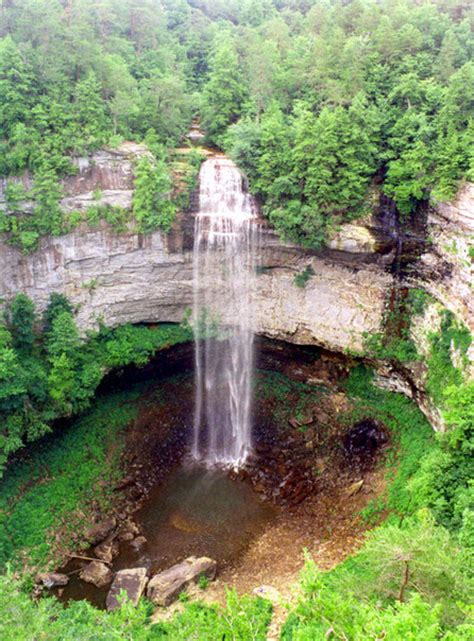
303	277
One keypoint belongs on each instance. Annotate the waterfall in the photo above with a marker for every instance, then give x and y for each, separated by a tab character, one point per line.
225	249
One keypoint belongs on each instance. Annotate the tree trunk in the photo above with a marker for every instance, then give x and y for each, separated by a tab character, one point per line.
406	576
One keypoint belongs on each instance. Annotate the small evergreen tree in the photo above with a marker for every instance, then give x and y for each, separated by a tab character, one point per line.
21	317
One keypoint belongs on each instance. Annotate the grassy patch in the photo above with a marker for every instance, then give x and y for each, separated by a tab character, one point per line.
452	337
285	397
51	491
411	435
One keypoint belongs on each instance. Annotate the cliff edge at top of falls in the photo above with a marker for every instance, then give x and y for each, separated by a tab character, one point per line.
130	277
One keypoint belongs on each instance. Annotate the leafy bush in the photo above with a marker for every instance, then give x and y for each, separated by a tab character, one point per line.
303	277
55	373
244	619
152	205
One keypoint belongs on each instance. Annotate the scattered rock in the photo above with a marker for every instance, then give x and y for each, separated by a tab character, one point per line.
96	573
52	579
354	488
107	550
132	582
100	531
128	531
268	592
125	482
139	542
166	586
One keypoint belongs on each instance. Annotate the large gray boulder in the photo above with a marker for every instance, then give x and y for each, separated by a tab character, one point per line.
52	579
97	573
131	582
100	531
166	586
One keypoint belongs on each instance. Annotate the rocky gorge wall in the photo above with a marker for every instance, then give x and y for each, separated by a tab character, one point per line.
131	277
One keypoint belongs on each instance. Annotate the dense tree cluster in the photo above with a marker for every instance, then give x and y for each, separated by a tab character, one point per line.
317	100
341	96
48	371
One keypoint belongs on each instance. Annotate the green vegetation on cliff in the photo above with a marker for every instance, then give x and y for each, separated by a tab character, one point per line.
48	371
314	99
412	579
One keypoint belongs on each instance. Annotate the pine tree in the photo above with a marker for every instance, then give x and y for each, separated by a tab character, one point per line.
91	118
225	90
15	87
21	317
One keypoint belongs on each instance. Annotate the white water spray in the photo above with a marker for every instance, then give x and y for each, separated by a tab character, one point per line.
225	249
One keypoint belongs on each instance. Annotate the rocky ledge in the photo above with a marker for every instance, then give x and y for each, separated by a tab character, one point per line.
134	278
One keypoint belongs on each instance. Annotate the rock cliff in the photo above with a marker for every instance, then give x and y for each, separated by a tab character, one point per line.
129	277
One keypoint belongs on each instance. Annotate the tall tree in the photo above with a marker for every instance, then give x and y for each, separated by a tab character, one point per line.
225	90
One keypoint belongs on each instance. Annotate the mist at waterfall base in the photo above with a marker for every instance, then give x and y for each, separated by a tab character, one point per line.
224	270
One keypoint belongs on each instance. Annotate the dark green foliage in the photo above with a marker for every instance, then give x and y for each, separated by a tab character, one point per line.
225	90
57	303
452	337
152	206
54	487
71	81
395	342
21	318
354	93
57	373
303	277
241	619
315	101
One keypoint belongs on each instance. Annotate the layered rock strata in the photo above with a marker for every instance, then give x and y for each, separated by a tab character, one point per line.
134	278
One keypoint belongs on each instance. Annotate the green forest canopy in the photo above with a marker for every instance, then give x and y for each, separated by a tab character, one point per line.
316	100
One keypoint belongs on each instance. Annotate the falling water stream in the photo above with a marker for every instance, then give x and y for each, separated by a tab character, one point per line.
225	250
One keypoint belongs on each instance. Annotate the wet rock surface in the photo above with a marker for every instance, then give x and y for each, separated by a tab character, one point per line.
98	532
108	549
131	581
165	587
97	573
52	579
363	440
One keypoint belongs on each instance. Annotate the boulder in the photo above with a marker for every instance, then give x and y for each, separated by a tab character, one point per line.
354	488
100	531
268	592
139	542
52	579
166	586
97	573
107	550
132	582
128	531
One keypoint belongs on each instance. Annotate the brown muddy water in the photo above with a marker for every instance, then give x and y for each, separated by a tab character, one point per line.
195	511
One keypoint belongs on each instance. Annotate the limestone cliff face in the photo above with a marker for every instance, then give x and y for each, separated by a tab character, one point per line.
121	278
103	178
339	303
118	278
129	277
446	270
